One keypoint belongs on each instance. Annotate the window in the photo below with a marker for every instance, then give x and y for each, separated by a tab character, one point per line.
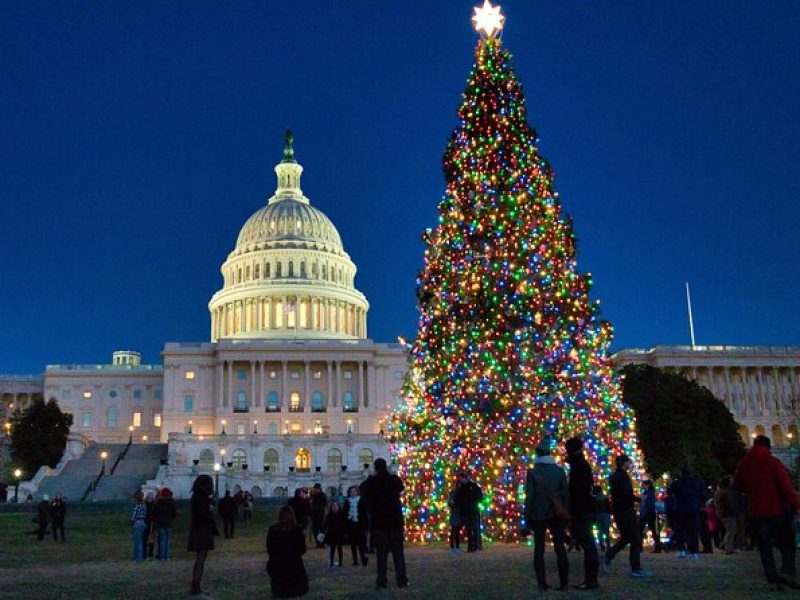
238	458
334	460
267	270
278	270
241	374
188	375
188	403
347	402
398	375
350	428
318	374
241	402
87	394
272	428
206	459
317	402
112	393
86	419
302	269
291	268
365	458
241	429
294	402
257	272
271	458
157	419
137	419
302	460
348	374
273	405
67	393
112	416
157	393
137	394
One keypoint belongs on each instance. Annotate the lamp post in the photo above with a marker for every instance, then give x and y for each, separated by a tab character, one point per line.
223	427
103	455
255	426
17	475
144	438
189	423
8	428
130	434
216	480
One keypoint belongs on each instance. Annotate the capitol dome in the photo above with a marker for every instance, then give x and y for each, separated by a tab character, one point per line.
289	275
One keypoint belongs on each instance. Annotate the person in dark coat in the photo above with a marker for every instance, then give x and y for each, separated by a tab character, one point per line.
164	515
356	523
547	508
689	492
202	528
300	506
58	514
227	510
286	545
582	508
468	499
648	518
624	513
382	492
148	535
43	517
334	529
319	501
455	518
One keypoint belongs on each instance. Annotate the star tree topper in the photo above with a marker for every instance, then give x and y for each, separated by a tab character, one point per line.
488	20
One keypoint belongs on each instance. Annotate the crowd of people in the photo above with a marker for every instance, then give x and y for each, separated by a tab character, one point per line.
151	520
52	515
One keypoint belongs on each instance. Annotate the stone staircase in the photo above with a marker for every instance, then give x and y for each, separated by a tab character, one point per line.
78	473
140	464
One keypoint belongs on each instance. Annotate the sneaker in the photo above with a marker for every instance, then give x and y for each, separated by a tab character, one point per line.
694	557
640	573
682	554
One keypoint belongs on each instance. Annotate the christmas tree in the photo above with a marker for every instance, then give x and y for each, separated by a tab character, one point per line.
510	347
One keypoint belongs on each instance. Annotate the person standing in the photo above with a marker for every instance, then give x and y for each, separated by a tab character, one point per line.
602	517
227	510
771	505
138	524
648	517
319	502
382	492
582	507
164	515
43	517
688	491
300	506
624	513
727	510
286	545
202	528
546	508
355	512
455	518
58	514
149	529
334	530
468	499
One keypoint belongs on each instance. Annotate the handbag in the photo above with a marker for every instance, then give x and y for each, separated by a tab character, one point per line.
560	511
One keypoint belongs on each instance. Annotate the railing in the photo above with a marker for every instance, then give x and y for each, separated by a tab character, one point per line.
240	409
93	485
296	409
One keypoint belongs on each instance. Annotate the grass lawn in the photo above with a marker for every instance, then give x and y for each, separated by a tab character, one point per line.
95	563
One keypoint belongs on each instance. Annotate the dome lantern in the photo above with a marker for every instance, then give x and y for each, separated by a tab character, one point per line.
288	172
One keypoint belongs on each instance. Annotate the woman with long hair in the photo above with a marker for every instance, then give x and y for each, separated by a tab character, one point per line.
202	527
286	545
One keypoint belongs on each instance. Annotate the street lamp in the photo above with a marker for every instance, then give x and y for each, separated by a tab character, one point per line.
216	479
8	428
189	423
103	455
17	475
144	438
130	434
223	427
255	426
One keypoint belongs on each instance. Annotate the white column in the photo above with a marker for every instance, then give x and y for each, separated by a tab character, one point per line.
795	385
220	384
729	390
260	383
229	399
361	383
761	392
284	385
329	398
252	383
371	385
307	391
338	397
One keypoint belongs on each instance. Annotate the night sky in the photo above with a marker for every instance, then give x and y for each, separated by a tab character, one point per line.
137	137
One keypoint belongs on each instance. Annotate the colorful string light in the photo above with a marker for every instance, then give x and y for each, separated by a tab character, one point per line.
509	347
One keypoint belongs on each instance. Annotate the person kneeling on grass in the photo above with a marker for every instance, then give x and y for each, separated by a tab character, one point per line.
286	545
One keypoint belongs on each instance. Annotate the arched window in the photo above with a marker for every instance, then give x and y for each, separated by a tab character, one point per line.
302	460
291	268
334	459
273	403
365	458
271	460
256	492
277	269
238	458
317	402
247	273
314	270
267	271
241	402
302	268
744	433
347	402
112	416
280	492
777	436
257	272
206	459
294	402
239	276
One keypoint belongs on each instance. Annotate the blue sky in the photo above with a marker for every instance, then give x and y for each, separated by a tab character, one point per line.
136	139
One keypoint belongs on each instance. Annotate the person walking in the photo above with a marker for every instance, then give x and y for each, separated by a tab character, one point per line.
772	504
648	517
582	506
356	523
688	491
164	515
546	508
58	514
42	517
319	502
202	528
334	530
382	492
286	545
455	518
138	525
727	510
624	513
602	517
227	511
468	499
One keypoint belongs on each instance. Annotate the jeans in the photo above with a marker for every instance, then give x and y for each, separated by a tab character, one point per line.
767	532
581	528
390	540
556	528
628	526
455	536
603	526
138	541
686	533
729	541
473	527
163	542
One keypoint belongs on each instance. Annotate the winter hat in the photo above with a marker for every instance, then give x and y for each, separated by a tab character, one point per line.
622	459
545	445
574	445
46	498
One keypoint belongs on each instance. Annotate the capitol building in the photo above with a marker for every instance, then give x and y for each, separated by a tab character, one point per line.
289	391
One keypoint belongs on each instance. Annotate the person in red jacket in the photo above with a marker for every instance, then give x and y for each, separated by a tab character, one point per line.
771	505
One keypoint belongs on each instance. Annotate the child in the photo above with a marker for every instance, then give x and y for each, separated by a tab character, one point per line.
334	530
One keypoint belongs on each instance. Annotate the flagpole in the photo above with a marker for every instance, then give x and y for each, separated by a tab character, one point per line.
689	305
